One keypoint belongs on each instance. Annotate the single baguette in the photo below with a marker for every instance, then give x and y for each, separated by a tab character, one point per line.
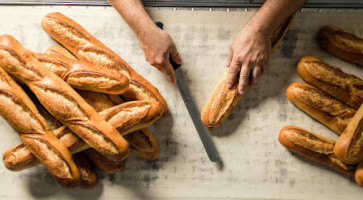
20	112
223	100
342	44
349	147
61	100
320	106
143	143
87	48
88	174
359	174
83	75
104	164
19	158
314	147
345	87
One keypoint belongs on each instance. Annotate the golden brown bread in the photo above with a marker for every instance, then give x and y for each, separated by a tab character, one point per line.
359	174
20	112
314	147
126	117
143	143
88	174
349	147
61	100
320	106
341	43
104	164
345	87
59	51
87	48
223	100
83	75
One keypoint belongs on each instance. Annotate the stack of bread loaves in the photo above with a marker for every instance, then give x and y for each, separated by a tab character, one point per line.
334	98
62	105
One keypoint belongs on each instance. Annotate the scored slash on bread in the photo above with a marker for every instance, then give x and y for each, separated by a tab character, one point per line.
87	48
314	147
345	87
223	100
341	43
320	106
20	112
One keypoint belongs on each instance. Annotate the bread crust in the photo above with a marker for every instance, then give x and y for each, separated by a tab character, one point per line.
359	174
83	75
61	100
87	48
223	100
103	163
313	147
88	174
341	43
345	87
322	107
20	112
349	147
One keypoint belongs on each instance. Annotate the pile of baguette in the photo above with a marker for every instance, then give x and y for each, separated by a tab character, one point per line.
335	99
75	109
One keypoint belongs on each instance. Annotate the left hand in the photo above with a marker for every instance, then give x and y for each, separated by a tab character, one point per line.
248	57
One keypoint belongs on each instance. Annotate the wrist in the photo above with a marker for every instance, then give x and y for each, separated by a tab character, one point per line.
144	31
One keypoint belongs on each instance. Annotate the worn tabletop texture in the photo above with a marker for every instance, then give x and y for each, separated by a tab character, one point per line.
255	164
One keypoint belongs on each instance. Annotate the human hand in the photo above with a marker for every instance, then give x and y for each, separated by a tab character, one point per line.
248	58
158	47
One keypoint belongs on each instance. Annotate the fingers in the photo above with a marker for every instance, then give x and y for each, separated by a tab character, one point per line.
175	56
244	76
232	74
256	74
229	59
170	72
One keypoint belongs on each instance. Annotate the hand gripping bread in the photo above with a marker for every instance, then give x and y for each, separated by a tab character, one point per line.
314	147
126	117
342	44
88	174
20	112
344	87
349	147
320	106
61	100
87	48
83	75
359	174
223	100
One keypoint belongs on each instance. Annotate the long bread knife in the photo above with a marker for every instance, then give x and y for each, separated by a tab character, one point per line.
193	110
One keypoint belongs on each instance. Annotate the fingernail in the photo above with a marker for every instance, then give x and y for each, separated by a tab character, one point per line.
240	92
229	85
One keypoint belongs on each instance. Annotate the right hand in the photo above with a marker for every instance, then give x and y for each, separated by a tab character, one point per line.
158	47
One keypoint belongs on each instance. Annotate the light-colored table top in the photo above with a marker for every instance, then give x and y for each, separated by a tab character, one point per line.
255	164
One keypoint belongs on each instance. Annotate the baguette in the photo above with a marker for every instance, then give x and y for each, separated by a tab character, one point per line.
359	174
223	100
87	48
314	147
83	75
342	44
320	106
143	143
19	158
104	164
59	51
349	147
344	87
88	174
20	112
61	100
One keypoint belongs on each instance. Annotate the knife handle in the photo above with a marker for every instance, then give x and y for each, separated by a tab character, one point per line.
175	66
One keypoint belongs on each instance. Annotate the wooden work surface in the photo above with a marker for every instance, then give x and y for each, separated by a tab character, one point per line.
255	164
